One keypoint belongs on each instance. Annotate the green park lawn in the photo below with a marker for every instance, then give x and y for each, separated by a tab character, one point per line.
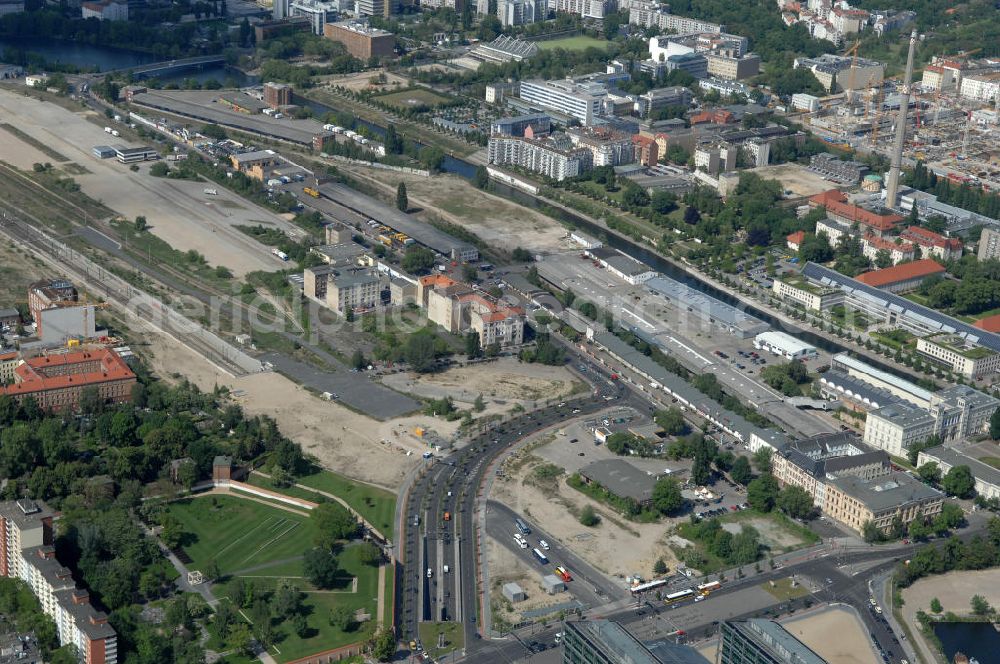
577	43
377	506
239	534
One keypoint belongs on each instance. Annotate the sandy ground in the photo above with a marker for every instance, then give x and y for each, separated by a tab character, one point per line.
495	220
18	153
178	211
341	439
771	534
801	181
849	646
953	590
616	547
362	81
505	567
501	383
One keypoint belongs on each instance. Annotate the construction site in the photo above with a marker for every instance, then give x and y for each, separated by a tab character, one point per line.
951	119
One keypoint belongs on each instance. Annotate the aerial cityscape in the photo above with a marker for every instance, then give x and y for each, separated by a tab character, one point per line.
541	331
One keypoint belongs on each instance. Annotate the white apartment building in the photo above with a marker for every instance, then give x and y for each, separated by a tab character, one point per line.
653	14
106	10
715	158
585	8
982	87
577	100
609	148
521	12
550	157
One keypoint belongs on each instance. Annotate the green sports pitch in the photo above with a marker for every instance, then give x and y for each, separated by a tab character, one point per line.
577	43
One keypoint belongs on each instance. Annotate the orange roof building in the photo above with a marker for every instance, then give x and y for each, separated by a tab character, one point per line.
57	381
941	247
904	277
794	240
838	208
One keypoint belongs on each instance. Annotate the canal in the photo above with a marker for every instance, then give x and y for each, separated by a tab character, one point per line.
979	640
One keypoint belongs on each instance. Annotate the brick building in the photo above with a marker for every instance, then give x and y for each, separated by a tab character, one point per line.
647	152
57	381
277	95
46	295
361	40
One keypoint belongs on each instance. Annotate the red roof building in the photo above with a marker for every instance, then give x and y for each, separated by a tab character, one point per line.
794	241
647	152
717	116
57	381
900	278
934	244
838	208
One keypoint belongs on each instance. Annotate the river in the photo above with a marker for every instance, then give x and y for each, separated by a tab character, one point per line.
979	640
105	58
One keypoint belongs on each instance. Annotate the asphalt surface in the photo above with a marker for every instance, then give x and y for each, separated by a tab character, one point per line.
435	542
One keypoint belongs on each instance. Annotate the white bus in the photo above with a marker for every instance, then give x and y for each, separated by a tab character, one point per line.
540	556
649	585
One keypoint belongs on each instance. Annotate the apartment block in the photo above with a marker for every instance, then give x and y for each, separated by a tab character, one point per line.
459	308
595	9
47	295
521	12
795	288
580	100
357	289
553	157
647	152
57	381
854	501
982	87
26	553
715	158
654	14
934	244
989	244
959	354
608	147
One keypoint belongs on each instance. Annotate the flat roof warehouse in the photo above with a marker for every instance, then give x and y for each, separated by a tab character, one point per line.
709	308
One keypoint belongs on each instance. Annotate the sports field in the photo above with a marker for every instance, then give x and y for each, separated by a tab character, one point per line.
577	43
239	534
413	98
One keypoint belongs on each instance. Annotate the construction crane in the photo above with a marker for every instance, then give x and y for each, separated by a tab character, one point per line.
849	89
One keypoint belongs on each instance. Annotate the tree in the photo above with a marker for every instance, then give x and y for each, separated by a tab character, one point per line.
935	602
660	567
762	459
320	567
287	601
358	360
521	255
995	425
930	472
672	420
418	259
333	523
870	532
342	618
159	169
588	517
402	200
384	642
980	606
420	351
479	405
691	215
482	178
816	249
763	492
795	502
370	554
741	473
472	347
959	482
214	131
667	496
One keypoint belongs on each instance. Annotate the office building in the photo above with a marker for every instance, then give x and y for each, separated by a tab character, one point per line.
784	345
658	98
989	244
277	94
256	163
553	157
540	124
361	40
759	641
318	12
982	87
357	289
855	501
715	158
280	27
11	7
873	246
839	209
608	147
663	46
878	379
26	553
607	642
459	309
521	12
903	278
576	99
838	170
810	463
799	290
382	8
837	73
733	68
695	64
959	355
48	295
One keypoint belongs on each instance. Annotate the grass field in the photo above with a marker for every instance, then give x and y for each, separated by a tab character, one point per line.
454	637
577	43
239	534
414	98
377	506
784	591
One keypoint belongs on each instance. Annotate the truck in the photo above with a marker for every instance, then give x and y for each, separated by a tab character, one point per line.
211	192
107	130
311	192
114	132
280	254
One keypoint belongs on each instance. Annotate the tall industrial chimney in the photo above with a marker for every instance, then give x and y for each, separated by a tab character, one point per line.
892	188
